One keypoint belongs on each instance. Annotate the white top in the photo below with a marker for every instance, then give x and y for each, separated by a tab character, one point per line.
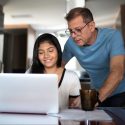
69	85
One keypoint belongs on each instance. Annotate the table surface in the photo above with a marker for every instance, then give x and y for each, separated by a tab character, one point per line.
117	114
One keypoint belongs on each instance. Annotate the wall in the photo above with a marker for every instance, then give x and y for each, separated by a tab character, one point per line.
1	32
31	40
1	46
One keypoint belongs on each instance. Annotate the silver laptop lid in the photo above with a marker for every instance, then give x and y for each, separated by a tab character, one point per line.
29	93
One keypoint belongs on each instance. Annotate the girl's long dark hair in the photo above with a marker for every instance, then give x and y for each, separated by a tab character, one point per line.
37	66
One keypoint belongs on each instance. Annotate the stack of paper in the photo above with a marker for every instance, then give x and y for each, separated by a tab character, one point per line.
77	114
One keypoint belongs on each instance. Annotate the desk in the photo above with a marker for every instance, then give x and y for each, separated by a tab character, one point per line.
117	114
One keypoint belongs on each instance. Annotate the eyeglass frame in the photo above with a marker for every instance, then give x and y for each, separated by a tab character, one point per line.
70	32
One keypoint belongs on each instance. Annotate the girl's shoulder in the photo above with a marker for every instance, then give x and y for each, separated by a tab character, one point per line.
71	72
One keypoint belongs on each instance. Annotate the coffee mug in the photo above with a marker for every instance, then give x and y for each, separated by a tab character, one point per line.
89	97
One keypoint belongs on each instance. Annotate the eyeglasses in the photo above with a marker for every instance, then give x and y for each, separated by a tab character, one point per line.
76	30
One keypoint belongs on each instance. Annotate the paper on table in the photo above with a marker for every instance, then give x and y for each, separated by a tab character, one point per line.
77	114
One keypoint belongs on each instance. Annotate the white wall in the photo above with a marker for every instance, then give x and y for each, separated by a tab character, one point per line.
31	40
1	47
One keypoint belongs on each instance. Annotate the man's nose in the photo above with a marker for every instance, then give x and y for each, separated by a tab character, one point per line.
73	34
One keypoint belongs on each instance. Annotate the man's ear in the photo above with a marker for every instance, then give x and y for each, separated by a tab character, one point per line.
92	26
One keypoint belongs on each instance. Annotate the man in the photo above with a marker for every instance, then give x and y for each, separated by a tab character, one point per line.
101	52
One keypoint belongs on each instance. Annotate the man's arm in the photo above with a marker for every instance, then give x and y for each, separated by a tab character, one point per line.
63	63
117	68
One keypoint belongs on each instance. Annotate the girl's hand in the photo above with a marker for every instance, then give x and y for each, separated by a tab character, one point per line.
74	102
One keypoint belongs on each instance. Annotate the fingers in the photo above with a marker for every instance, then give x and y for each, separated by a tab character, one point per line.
74	103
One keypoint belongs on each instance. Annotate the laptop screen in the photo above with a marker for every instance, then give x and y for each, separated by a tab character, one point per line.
29	93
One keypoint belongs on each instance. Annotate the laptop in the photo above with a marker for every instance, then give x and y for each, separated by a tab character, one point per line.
28	93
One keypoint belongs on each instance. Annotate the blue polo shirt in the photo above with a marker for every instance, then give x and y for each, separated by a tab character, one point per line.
95	59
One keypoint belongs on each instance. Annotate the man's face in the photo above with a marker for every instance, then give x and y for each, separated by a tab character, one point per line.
80	31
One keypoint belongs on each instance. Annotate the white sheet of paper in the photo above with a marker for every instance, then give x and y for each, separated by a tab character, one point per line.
77	114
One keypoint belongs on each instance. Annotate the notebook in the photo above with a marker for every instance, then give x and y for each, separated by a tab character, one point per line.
29	93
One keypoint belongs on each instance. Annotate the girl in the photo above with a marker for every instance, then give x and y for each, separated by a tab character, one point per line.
47	58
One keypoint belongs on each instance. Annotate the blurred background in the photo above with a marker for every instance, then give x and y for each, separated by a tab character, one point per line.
21	21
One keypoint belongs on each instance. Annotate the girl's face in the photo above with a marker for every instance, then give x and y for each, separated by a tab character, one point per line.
48	55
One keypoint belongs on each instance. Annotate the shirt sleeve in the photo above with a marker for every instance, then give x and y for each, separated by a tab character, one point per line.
75	86
67	53
117	44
